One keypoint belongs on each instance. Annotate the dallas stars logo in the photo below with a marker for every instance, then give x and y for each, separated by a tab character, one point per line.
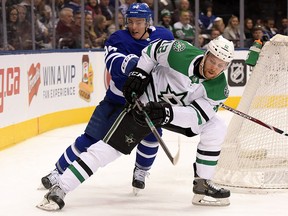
129	139
172	97
178	46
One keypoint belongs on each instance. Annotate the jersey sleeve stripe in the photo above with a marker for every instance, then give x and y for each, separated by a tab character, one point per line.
156	48
203	114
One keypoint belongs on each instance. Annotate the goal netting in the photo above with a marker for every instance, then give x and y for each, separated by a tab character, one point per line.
253	156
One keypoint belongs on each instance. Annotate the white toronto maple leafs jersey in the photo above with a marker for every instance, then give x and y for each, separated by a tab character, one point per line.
176	79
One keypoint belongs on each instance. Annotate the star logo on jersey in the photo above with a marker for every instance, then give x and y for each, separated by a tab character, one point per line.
129	139
178	46
172	97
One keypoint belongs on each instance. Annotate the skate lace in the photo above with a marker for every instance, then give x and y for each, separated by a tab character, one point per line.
53	177
140	174
212	185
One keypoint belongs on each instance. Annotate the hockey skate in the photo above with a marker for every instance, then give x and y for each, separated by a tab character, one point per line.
208	194
49	180
53	200
138	181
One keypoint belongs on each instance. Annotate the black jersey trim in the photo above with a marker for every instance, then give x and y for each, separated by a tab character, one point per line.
208	153
156	48
85	167
196	105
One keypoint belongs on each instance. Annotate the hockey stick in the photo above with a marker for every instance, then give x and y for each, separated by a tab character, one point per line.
237	112
174	159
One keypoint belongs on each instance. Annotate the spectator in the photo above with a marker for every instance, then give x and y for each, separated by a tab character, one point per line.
165	19
39	8
214	34
219	24
269	27
167	4
183	29
27	4
24	28
94	7
201	40
183	5
64	29
59	4
107	11
13	36
101	30
76	29
232	31
121	24
206	18
47	22
284	27
248	28
42	39
123	7
91	40
259	22
257	34
75	5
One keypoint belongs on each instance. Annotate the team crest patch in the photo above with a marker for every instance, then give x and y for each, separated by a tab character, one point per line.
226	91
178	46
129	139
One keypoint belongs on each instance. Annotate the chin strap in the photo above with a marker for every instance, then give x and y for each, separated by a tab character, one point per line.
146	30
143	34
201	66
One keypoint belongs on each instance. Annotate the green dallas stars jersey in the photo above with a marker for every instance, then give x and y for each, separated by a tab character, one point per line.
175	70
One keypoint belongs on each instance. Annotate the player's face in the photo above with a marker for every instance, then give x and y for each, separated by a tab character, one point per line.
137	27
213	66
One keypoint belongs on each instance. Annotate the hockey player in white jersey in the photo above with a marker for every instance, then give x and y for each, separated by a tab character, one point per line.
122	51
181	89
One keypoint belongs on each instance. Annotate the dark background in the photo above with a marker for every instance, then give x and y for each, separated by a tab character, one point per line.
255	9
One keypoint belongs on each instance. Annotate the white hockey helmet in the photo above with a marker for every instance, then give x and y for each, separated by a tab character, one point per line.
221	48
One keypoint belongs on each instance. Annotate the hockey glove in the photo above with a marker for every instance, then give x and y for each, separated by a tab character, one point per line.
160	113
137	82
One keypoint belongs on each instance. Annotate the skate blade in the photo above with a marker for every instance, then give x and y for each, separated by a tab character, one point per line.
48	205
209	201
136	191
41	187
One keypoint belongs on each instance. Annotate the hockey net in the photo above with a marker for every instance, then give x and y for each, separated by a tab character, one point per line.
252	156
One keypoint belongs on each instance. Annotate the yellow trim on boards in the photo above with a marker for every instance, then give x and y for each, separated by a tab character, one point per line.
232	102
13	134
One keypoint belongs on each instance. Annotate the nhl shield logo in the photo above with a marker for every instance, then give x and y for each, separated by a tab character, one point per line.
178	46
237	73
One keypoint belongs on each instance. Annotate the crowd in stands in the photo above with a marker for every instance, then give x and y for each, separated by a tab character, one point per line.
99	23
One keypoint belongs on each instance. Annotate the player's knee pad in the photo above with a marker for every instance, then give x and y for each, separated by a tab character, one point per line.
213	134
99	155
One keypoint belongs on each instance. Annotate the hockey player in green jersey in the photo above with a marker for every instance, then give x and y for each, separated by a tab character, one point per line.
181	88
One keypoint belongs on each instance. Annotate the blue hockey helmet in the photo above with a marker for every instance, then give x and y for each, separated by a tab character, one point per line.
139	10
